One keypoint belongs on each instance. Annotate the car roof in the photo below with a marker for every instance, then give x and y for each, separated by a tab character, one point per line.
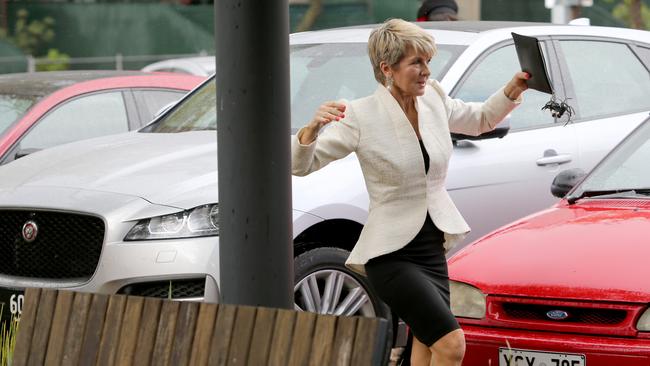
472	26
44	83
467	32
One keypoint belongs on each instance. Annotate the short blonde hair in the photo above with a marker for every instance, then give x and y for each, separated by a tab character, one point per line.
390	42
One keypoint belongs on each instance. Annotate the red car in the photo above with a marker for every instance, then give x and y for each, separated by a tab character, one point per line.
45	109
568	286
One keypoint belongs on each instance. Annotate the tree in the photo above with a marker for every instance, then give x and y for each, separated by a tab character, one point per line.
32	37
634	13
310	16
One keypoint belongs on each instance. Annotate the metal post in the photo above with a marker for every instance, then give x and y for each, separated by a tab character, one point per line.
253	114
560	14
119	62
31	63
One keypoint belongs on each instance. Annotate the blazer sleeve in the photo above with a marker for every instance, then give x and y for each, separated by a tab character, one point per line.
336	141
472	118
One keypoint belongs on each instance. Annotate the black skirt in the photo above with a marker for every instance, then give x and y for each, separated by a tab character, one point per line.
414	283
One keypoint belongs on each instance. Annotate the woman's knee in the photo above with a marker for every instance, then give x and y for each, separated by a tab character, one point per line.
451	346
420	353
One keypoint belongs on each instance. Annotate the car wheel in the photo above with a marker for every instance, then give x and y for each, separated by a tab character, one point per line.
324	285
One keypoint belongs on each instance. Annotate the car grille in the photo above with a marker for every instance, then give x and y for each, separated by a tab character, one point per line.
66	245
587	317
575	315
180	289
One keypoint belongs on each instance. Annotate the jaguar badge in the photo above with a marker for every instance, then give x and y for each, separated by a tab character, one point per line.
557	314
30	231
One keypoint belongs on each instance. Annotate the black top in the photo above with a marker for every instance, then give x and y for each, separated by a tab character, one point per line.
425	156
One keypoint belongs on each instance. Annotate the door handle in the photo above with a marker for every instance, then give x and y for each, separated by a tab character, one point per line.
555	159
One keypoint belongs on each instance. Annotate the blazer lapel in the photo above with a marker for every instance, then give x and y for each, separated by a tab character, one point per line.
425	119
435	138
406	137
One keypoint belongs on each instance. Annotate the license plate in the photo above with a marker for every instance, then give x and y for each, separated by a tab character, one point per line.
11	303
519	357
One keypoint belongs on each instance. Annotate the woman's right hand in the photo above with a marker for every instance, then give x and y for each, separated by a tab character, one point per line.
326	113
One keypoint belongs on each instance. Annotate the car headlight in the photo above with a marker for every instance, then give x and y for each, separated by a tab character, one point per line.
199	221
643	325
466	301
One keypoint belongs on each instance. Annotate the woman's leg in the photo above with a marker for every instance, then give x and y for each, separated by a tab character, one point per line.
448	350
420	354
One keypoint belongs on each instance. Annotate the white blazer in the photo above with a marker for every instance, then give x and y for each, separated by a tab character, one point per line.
401	194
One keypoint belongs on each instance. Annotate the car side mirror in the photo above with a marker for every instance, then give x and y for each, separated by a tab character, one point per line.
566	180
24	152
500	131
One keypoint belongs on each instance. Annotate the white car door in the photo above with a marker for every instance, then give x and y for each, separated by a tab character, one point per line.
610	89
496	181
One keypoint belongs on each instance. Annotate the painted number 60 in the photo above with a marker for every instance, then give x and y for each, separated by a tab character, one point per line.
16	304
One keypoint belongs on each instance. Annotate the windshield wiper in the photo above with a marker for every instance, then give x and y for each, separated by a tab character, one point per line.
611	193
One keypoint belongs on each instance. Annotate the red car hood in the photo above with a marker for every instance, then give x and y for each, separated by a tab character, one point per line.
593	250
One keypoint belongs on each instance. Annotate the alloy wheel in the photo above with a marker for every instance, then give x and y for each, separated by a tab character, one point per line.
332	292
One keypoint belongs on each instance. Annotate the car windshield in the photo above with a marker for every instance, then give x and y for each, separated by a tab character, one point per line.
12	107
625	169
319	72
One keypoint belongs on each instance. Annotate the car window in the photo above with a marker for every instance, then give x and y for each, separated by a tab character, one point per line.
198	112
152	101
626	167
319	72
607	78
333	71
82	118
493	72
12	107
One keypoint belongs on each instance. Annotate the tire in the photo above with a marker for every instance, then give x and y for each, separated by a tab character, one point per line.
315	268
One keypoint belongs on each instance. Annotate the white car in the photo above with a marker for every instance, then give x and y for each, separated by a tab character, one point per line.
200	65
137	213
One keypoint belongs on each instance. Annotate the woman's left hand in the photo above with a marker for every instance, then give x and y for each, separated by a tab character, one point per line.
517	85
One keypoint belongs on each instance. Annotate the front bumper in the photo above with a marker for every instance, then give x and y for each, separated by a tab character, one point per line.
127	263
483	345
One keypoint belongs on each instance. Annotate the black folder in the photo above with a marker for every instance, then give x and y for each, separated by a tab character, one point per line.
531	61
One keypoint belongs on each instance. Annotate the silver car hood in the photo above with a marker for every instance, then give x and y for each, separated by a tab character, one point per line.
171	169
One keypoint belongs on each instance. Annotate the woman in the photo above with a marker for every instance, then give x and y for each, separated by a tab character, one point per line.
401	135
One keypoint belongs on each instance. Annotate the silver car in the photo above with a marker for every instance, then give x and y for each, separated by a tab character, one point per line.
137	213
200	65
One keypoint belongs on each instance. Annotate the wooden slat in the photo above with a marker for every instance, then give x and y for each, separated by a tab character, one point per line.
183	336
301	340
241	335
59	327
94	328
161	355
27	322
111	333
76	328
221	335
42	325
346	328
147	332
323	340
282	334
365	341
203	334
129	332
86	329
262	336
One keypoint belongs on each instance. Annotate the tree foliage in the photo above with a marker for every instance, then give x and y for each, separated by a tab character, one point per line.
32	36
635	13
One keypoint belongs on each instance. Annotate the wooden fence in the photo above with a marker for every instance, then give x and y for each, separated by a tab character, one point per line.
68	328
